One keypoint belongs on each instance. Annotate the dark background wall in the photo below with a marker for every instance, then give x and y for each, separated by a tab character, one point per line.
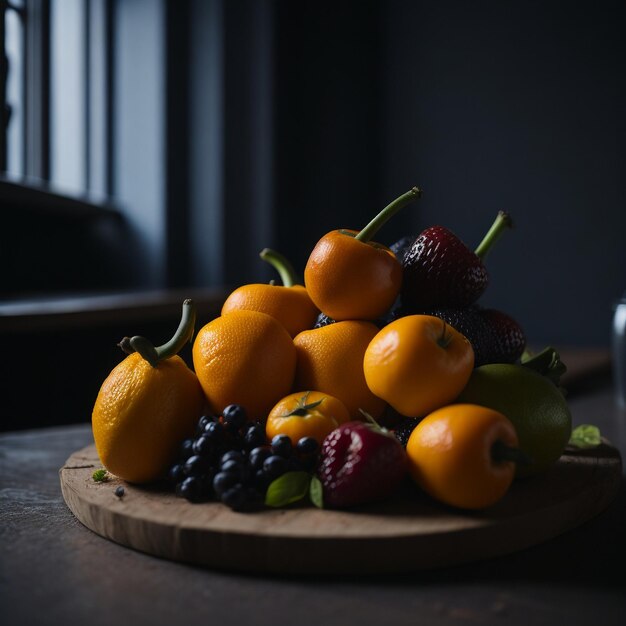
519	106
282	120
485	105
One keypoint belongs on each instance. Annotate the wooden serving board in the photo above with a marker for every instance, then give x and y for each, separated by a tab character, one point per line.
408	532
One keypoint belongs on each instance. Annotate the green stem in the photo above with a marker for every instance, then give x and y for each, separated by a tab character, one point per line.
389	211
183	334
502	221
372	423
501	453
281	264
303	407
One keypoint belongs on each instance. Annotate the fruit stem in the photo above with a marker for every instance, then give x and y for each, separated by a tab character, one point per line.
501	453
444	340
372	422
388	212
281	264
183	334
302	407
503	220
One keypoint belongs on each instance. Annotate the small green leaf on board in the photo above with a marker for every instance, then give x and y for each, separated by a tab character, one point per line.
585	436
288	488
316	492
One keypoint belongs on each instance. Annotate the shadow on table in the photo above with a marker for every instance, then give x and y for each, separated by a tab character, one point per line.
591	555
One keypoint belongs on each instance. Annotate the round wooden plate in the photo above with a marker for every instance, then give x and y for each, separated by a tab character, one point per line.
408	532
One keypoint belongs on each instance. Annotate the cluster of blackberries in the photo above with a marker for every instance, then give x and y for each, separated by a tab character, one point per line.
403	429
230	460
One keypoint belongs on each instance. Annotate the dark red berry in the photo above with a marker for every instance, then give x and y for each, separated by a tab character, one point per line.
441	271
360	463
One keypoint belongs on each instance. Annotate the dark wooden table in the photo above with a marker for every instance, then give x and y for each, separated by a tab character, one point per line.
55	571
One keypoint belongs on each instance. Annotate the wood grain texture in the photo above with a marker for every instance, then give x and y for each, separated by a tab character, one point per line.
408	532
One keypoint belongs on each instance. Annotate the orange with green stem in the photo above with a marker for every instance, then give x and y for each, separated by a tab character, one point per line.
350	277
288	303
149	402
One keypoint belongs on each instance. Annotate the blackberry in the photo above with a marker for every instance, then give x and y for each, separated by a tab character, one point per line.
470	322
323	320
495	336
403	430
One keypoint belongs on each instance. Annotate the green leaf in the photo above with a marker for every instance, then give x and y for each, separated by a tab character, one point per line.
547	363
585	436
100	475
316	492
288	488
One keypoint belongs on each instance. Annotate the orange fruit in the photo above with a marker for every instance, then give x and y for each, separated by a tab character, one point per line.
306	414
330	360
349	279
455	455
141	415
246	358
418	363
291	306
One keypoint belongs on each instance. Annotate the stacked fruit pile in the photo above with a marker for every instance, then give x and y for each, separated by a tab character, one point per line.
381	366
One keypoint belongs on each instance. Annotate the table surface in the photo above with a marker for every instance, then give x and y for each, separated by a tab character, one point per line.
53	570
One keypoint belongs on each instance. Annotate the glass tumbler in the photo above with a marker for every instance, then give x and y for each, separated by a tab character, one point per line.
619	351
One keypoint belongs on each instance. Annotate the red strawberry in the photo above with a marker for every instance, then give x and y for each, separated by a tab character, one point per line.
440	270
360	463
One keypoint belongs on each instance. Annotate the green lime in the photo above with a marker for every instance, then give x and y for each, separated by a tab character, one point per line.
533	403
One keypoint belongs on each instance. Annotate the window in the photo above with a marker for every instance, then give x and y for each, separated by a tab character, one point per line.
164	110
57	84
82	141
12	88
